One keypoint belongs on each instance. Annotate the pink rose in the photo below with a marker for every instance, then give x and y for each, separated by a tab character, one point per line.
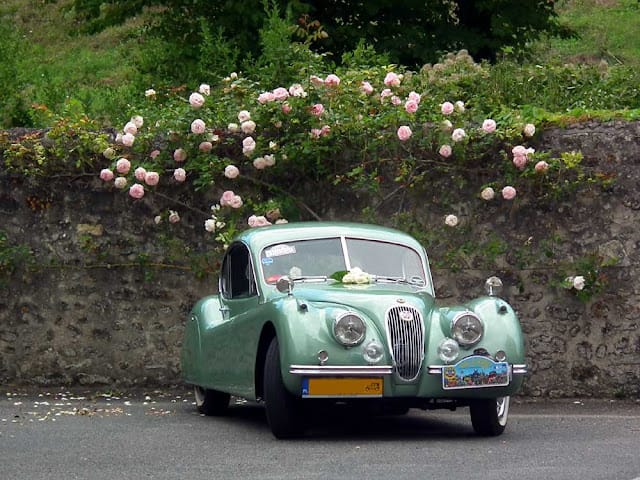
131	128
520	161
196	100
140	173
123	166
154	154
385	93
316	132
296	90
174	217
280	94
258	221
411	106
489	125
366	88
106	175
316	81
416	97
332	80
204	89
152	178
508	193
243	116
205	147
286	108
519	150
198	126
541	166
248	127
180	175
235	202
317	109
259	163
226	198
392	80
179	155
120	182
446	108
445	151
248	145
136	190
231	171
325	130
404	133
128	139
396	100
265	97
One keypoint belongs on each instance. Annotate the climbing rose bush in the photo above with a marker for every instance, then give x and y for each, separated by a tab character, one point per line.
236	134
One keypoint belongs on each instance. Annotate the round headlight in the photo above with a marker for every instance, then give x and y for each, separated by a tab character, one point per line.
373	352
448	350
467	329
349	329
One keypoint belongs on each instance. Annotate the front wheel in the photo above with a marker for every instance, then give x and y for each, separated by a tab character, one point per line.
489	416
211	402
284	412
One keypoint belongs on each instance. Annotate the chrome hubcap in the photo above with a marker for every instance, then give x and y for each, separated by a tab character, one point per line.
502	406
198	392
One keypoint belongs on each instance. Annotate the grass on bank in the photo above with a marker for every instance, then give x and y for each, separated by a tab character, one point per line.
48	62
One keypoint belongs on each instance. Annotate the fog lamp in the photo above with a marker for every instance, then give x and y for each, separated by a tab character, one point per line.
500	356
448	350
373	352
323	356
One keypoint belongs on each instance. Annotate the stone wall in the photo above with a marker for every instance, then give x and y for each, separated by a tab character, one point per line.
106	300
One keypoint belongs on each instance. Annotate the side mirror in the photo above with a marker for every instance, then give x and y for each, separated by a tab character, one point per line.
493	286
284	285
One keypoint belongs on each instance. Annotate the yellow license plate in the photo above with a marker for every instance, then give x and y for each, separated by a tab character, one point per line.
342	387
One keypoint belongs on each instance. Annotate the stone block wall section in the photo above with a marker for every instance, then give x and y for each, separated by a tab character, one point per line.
106	305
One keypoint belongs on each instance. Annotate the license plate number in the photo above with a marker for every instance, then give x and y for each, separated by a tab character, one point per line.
475	372
342	387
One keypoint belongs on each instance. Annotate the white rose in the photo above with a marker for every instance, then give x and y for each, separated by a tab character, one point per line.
487	194
451	220
578	282
210	225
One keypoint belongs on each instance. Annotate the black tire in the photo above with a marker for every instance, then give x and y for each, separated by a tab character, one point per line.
211	402
489	416
284	411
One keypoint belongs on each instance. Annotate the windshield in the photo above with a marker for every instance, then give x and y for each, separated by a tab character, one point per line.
324	257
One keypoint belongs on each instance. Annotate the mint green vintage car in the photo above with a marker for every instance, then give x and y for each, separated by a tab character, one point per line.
311	313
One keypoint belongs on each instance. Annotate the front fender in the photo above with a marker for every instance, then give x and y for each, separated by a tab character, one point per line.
203	313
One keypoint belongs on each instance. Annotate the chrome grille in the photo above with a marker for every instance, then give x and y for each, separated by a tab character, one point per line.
405	332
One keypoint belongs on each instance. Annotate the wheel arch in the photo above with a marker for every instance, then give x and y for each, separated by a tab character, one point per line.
266	336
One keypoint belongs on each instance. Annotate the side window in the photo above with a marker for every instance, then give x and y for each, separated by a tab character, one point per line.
237	273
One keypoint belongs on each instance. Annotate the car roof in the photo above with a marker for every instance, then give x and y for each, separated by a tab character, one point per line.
259	237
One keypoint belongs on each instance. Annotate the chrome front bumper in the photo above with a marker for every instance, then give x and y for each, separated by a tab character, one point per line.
354	371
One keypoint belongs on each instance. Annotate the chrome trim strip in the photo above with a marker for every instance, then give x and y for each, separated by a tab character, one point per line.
340	370
516	369
519	369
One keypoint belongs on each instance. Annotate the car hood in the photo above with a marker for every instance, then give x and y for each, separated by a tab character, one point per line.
371	299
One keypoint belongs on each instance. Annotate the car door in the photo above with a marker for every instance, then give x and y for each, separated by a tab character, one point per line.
230	347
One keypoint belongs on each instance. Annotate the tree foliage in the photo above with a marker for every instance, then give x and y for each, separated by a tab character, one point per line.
410	32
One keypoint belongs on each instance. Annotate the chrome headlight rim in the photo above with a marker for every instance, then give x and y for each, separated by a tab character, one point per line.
349	334
460	332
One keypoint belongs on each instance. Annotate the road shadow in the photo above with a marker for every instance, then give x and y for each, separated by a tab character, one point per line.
342	423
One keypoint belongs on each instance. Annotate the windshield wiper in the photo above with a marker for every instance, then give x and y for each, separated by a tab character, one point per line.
310	278
415	280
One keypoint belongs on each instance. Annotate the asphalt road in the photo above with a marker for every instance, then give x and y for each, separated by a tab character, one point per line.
93	435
